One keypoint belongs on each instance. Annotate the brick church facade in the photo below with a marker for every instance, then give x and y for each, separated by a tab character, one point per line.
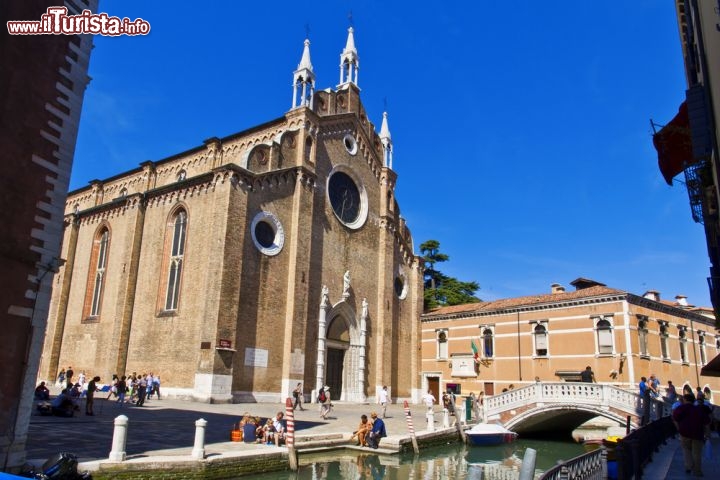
250	263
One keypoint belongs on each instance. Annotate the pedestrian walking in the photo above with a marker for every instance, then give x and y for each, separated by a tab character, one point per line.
297	396
383	400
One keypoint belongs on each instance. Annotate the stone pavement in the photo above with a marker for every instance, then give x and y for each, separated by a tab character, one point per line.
668	462
167	427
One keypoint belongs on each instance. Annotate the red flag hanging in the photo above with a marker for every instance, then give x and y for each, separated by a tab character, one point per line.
674	145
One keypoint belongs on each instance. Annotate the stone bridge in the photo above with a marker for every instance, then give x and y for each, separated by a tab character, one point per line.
550	406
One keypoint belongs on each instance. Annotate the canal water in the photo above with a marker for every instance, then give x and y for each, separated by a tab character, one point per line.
452	461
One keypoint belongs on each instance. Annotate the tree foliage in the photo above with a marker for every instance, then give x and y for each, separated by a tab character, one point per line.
440	289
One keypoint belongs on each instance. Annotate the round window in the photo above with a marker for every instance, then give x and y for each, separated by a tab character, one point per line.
350	144
400	286
267	233
348	201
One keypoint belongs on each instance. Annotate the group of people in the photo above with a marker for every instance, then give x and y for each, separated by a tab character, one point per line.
692	414
69	400
136	389
271	431
369	432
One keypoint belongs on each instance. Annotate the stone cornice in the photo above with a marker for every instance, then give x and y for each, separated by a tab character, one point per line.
668	309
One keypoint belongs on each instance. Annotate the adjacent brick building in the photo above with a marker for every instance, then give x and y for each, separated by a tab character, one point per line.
42	84
250	263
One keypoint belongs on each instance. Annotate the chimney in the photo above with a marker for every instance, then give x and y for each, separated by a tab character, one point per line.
652	295
556	288
681	300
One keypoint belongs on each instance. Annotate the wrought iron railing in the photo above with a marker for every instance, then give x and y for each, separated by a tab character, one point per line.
631	455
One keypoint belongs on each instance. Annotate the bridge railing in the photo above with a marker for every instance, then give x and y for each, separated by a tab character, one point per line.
578	393
589	466
635	451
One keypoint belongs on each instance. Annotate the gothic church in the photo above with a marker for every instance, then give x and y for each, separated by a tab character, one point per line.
249	263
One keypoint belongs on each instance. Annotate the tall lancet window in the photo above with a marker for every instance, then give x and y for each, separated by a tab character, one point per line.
97	275
177	233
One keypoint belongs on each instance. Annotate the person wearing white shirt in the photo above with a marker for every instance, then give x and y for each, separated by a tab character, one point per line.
383	399
429	401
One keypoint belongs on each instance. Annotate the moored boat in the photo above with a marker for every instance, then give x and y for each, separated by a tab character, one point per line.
490	434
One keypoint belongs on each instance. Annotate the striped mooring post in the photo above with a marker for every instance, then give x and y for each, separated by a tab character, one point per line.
411	428
290	434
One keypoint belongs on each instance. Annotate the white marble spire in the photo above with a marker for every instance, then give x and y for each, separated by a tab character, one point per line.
304	80
386	140
349	60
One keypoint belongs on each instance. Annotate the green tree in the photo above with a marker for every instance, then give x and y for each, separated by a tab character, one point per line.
440	289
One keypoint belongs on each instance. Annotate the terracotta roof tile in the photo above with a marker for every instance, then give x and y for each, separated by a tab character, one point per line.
596	291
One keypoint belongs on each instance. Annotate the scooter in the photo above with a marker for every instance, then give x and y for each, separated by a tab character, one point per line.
61	466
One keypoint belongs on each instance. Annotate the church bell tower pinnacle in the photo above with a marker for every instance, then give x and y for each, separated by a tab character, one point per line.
386	142
349	61
304	80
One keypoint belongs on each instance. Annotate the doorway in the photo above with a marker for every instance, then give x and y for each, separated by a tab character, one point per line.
334	376
434	387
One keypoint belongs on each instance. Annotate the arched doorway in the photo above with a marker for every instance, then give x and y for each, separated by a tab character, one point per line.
338	343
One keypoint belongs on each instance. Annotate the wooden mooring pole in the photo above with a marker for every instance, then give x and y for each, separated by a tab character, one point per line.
290	434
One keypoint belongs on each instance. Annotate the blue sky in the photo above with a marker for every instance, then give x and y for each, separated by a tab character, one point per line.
521	129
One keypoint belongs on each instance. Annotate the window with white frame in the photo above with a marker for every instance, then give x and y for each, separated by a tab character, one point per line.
717	342
642	336
488	342
442	344
540	338
682	337
701	347
664	341
604	334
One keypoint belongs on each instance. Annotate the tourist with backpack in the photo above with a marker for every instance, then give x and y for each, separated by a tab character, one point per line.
324	401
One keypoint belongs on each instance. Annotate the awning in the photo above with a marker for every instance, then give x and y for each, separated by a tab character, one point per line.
712	368
674	145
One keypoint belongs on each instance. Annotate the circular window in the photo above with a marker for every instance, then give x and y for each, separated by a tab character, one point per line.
348	201
267	233
350	144
400	285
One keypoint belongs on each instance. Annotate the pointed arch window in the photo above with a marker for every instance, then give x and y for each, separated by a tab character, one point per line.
642	336
177	232
540	338
604	335
442	344
488	342
97	275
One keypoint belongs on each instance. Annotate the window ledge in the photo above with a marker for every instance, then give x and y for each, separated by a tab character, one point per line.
91	319
644	357
167	313
667	360
685	363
